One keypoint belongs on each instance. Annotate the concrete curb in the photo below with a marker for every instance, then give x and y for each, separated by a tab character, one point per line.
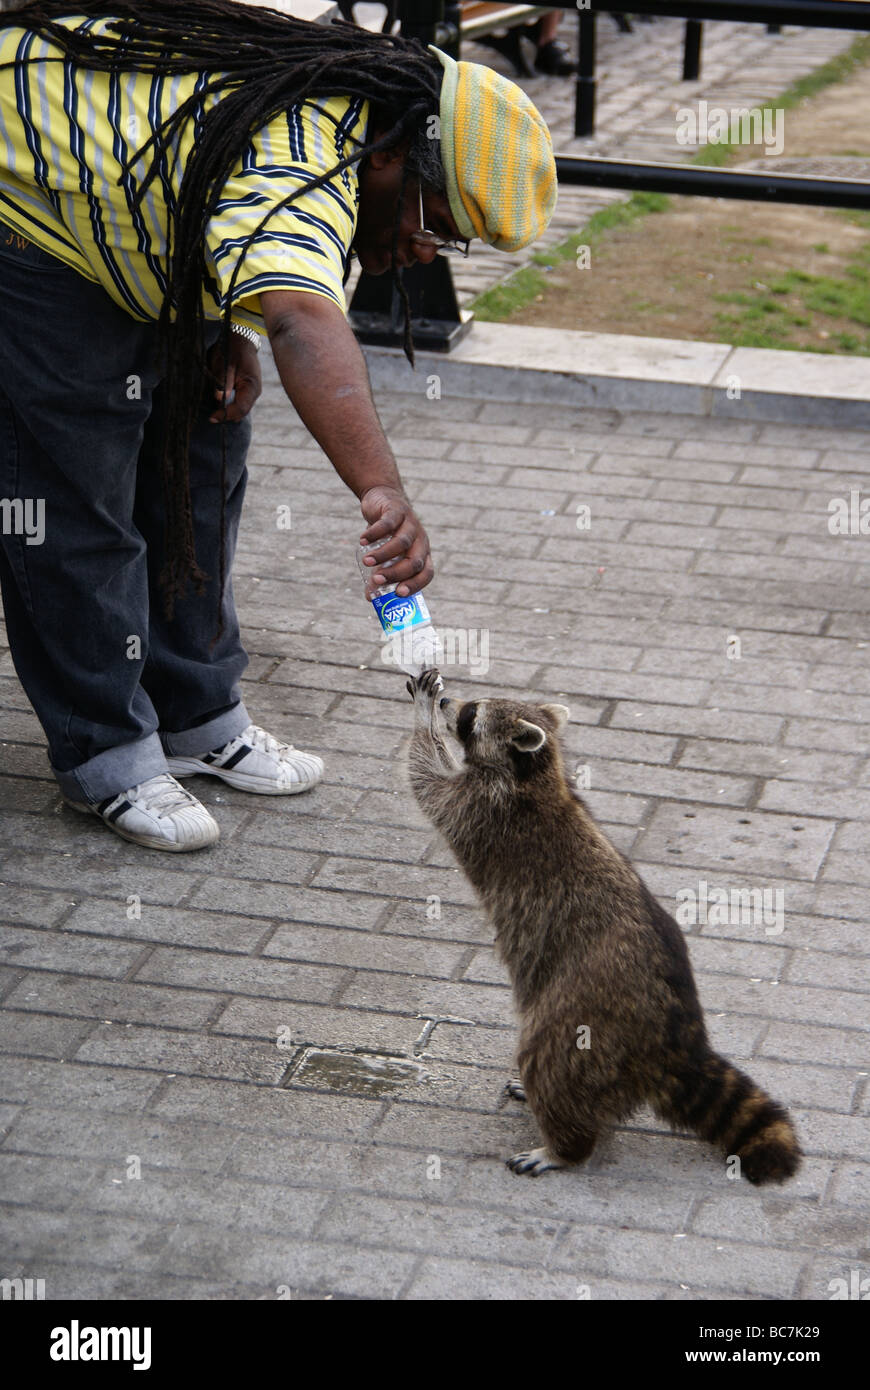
505	362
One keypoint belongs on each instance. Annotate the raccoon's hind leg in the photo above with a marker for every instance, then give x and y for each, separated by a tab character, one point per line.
724	1106
561	1102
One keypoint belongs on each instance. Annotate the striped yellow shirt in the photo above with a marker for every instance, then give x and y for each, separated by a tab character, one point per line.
65	133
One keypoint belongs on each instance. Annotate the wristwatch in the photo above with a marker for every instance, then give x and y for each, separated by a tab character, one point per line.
250	333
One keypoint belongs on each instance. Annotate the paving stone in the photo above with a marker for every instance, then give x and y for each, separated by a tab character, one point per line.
469	1279
825	1131
32	908
827	1087
334	1026
692	1260
187	1053
111	1001
156	1141
66	1083
366	950
413	1226
773	999
806	1042
286	1262
59	952
850	1186
781	1221
210	930
748	842
51	1184
284	904
83	1281
95	873
40	1035
73	1238
717	723
172	1196
395	880
236	975
790	796
823	967
411	994
785	764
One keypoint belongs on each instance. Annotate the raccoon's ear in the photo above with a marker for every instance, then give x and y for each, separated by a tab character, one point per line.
527	737
560	713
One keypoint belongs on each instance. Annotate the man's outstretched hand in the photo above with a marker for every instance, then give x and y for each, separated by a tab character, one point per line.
389	513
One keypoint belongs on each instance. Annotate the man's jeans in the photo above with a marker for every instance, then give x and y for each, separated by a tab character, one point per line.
115	686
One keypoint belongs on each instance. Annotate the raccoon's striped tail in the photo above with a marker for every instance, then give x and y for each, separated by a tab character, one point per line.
721	1104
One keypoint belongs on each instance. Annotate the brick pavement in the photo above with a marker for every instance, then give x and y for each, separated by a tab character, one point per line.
289	1043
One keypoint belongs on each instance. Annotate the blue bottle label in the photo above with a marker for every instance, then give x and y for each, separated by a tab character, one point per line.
396	614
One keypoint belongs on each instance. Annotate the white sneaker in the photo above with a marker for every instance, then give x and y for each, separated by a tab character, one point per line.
255	762
158	814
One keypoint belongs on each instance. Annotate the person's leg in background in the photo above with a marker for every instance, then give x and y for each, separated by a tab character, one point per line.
553	56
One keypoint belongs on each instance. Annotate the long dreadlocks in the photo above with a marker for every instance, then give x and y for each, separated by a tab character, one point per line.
260	62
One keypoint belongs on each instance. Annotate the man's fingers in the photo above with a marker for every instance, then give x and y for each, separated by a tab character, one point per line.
242	399
224	392
404	559
390	519
247	392
415	570
225	384
425	576
401	543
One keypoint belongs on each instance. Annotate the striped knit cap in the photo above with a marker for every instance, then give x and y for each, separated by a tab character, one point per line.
497	156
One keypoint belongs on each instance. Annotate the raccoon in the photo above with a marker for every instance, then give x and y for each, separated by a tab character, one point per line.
610	1017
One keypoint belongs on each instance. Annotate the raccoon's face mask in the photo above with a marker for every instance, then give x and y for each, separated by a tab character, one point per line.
492	727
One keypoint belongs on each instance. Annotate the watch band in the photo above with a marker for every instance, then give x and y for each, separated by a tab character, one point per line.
250	333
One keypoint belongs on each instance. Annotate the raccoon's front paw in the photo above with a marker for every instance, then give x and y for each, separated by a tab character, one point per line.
534	1163
424	688
516	1090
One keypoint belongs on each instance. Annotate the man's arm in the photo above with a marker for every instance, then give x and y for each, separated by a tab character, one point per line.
323	372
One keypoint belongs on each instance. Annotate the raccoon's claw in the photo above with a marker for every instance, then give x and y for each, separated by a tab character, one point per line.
534	1163
426	685
516	1090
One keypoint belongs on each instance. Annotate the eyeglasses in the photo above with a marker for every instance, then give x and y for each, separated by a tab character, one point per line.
427	238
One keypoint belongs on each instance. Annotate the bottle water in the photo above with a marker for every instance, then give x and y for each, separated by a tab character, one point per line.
410	641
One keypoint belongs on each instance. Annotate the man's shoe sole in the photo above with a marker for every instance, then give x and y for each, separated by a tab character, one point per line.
145	841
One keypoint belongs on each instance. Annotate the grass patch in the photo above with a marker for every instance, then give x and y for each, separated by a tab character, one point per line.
768	317
524	286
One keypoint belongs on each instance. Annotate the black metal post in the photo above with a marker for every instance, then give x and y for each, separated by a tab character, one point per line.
452	23
375	311
584	108
692	50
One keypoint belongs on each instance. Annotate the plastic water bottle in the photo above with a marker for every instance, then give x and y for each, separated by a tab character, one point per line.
410	641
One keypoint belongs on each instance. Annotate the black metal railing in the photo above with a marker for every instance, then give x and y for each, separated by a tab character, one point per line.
694	180
819	14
